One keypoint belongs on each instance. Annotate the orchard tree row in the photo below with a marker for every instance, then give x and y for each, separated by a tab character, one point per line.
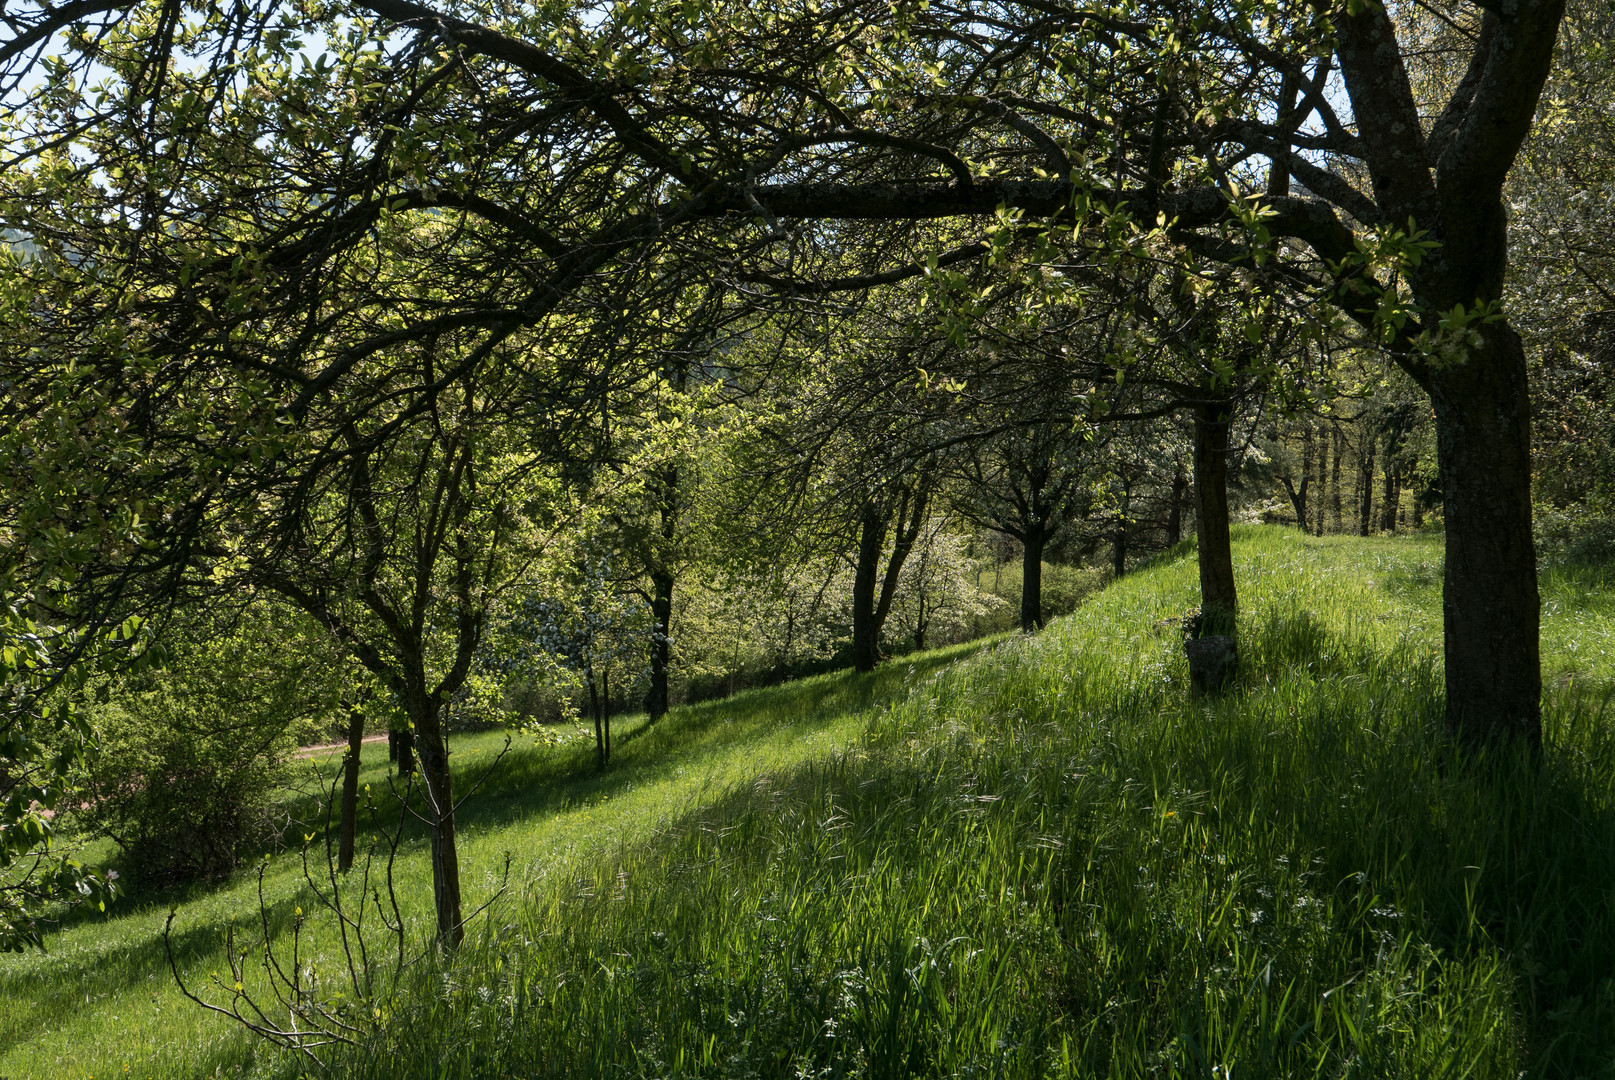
477	346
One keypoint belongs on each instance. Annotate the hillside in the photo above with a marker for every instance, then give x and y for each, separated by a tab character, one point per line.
1043	858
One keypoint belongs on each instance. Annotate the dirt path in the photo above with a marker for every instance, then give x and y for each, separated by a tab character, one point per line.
310	751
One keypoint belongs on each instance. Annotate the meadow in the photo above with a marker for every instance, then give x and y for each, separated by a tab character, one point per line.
1030	856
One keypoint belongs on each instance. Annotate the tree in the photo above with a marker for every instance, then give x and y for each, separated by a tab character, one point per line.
399	554
1026	483
1562	284
938	596
1400	228
45	738
593	628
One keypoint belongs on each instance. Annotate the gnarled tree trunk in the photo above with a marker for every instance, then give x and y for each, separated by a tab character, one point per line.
426	711
661	606
661	600
1218	597
865	630
1032	580
1490	606
350	791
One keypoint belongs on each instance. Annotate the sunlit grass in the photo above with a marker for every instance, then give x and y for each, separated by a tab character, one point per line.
103	998
1043	859
1049	859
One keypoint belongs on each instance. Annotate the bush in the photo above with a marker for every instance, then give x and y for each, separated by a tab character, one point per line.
192	756
183	792
1066	587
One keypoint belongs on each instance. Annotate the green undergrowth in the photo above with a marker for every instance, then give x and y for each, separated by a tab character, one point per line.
1051	860
1043	859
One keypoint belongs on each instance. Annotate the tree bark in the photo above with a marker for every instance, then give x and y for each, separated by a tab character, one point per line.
401	748
1365	486
865	631
1393	494
910	520
661	606
1323	485
869	607
1218	598
1032	580
661	603
1334	482
426	712
1174	516
1298	499
1490	606
350	792
599	726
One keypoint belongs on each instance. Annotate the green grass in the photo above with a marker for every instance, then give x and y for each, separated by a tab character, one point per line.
1043	859
102	998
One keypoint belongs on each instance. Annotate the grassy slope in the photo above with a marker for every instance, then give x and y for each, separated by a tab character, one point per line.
1049	860
102	1003
1043	860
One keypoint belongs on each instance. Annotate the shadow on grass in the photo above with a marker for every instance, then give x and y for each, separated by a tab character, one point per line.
1374	899
535	781
120	965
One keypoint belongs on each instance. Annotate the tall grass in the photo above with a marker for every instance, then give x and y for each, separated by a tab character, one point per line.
102	1002
1051	860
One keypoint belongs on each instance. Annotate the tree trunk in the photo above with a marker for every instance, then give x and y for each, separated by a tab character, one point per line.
1298	499
1032	581
910	520
1174	515
599	727
1118	536
1218	600
1365	486
1393	493
1340	452
350	791
661	606
605	710
440	820
865	632
1323	485
401	748
1490	606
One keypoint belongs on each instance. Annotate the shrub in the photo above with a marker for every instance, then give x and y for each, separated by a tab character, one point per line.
182	790
192	756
